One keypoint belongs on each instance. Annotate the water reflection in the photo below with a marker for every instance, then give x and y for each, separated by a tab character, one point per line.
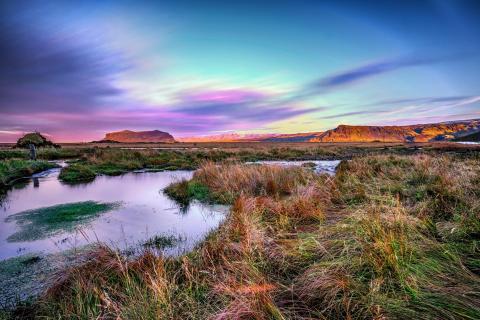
145	213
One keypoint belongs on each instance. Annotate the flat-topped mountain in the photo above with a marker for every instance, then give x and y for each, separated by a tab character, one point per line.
410	133
444	131
128	136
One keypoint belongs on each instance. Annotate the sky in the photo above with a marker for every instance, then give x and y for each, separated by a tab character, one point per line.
75	70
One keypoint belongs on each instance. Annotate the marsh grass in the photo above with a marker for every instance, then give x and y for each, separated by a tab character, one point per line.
183	192
13	169
389	237
77	173
45	222
225	183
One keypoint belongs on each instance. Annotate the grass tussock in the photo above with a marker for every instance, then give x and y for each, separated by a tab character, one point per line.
389	237
77	173
225	183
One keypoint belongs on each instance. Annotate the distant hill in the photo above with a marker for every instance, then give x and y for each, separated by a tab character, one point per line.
410	133
443	131
230	137
128	136
295	137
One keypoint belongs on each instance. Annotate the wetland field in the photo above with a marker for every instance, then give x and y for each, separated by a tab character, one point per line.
241	231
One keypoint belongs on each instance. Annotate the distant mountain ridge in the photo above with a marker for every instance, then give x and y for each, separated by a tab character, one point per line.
128	136
409	133
443	131
230	137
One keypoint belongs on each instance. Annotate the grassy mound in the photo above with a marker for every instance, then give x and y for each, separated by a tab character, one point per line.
77	173
185	191
34	138
49	221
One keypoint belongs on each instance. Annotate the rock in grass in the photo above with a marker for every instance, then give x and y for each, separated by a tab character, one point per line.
77	173
45	222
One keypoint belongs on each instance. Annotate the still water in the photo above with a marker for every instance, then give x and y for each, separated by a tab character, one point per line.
141	211
319	166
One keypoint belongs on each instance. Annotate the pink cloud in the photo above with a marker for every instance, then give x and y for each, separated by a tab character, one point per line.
224	96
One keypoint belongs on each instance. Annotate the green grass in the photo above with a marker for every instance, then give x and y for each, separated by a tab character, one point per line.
185	191
45	153
13	169
75	173
49	221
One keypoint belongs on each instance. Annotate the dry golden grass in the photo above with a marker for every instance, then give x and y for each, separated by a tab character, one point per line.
390	237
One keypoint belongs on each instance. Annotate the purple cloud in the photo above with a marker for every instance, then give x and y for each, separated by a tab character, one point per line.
370	70
229	106
50	68
228	96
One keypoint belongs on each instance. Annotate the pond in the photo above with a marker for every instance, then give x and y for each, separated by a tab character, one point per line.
127	210
45	223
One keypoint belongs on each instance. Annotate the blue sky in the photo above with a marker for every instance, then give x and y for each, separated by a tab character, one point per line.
75	70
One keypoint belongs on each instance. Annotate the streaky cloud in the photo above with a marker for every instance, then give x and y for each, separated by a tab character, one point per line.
373	69
421	100
50	68
353	113
413	105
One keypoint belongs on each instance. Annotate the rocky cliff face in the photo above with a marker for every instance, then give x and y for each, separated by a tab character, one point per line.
412	133
344	133
128	136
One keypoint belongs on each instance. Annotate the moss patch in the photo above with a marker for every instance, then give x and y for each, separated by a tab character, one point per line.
49	221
